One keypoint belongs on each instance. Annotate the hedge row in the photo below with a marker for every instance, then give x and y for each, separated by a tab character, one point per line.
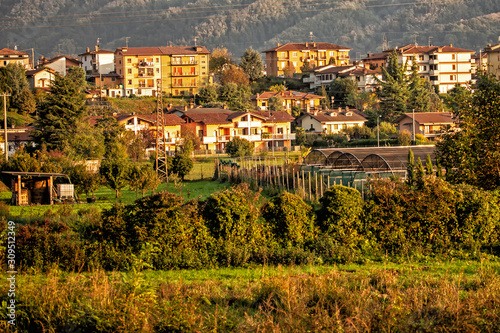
238	226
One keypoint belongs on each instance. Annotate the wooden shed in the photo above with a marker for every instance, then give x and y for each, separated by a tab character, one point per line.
42	188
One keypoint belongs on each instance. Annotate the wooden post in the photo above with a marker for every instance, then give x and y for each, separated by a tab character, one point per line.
50	190
310	192
328	185
316	185
321	183
19	191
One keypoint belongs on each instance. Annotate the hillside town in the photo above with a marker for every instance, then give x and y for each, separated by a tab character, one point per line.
185	73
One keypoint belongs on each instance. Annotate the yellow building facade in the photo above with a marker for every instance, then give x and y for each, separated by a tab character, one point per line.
181	70
287	59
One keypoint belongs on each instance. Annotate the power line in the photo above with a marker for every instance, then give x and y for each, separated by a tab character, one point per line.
200	17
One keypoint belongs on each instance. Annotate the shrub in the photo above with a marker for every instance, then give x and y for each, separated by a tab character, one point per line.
290	219
339	215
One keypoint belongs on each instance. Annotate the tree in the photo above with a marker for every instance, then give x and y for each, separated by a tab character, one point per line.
219	59
236	97
115	171
233	74
275	103
410	169
325	101
142	178
13	80
84	180
251	62
182	164
340	88
208	94
239	147
60	114
77	75
472	154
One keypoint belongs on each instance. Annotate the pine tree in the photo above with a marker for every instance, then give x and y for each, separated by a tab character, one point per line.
420	179
429	169
251	62
410	169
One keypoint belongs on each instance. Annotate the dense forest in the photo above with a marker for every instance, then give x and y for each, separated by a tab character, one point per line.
53	27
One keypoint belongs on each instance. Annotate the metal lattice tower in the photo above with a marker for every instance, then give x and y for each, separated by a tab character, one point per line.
161	147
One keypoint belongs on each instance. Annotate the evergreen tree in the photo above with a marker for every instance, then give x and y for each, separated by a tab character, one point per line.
251	62
340	89
410	169
429	169
208	94
60	114
420	181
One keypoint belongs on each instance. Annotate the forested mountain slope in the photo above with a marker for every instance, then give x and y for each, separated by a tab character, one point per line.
68	26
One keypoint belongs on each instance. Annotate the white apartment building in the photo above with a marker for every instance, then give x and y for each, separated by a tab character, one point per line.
97	62
443	66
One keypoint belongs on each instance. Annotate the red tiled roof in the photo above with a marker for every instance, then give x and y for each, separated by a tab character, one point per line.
167	50
429	117
307	46
290	94
6	51
168	119
100	51
209	118
36	71
430	49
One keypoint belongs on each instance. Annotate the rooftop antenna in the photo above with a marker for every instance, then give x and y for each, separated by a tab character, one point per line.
430	40
311	36
126	41
98	40
195	41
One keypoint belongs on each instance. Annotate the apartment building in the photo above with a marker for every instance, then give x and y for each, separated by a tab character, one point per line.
290	58
443	66
9	56
493	59
181	70
265	130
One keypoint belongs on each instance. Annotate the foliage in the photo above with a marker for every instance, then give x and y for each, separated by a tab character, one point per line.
359	132
237	97
404	138
208	94
115	172
234	74
60	114
471	154
239	147
181	165
277	88
84	180
13	80
291	220
340	215
142	178
77	75
252	65
341	88
275	103
220	58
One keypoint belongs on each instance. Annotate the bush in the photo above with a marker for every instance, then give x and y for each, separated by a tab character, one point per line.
239	147
339	215
291	220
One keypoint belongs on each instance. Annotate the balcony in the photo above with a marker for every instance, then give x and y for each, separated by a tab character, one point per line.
151	74
145	64
271	137
247	124
185	74
433	61
184	62
433	72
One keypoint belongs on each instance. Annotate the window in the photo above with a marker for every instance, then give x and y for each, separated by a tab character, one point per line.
452	57
421	57
453	67
129	61
157	59
294	54
129	81
129	71
200	133
433	78
452	77
157	70
283	54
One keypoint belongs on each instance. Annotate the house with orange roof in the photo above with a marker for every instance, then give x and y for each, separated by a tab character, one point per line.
289	98
265	130
181	70
290	58
429	124
331	121
9	56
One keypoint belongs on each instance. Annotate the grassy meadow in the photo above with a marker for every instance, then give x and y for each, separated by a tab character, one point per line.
458	296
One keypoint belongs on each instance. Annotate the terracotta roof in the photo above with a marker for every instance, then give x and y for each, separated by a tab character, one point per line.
377	56
18	136
208	118
431	49
167	50
429	117
307	46
36	71
6	51
288	94
44	61
169	119
100	51
200	110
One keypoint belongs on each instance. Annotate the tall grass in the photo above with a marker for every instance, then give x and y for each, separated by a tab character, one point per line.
319	299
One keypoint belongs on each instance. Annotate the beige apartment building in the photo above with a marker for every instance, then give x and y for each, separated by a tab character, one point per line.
290	58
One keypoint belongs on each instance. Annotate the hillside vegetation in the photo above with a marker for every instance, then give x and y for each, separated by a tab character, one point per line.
53	26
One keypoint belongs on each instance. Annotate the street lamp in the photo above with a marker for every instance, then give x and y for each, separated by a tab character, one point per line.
378	131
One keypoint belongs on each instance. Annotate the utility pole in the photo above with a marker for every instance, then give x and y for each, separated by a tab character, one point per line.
5	124
378	131
413	126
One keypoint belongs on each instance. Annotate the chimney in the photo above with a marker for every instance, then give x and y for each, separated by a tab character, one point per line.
314	44
258	95
191	105
224	106
169	105
308	108
307	44
185	107
451	45
96	47
88	49
340	110
279	44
